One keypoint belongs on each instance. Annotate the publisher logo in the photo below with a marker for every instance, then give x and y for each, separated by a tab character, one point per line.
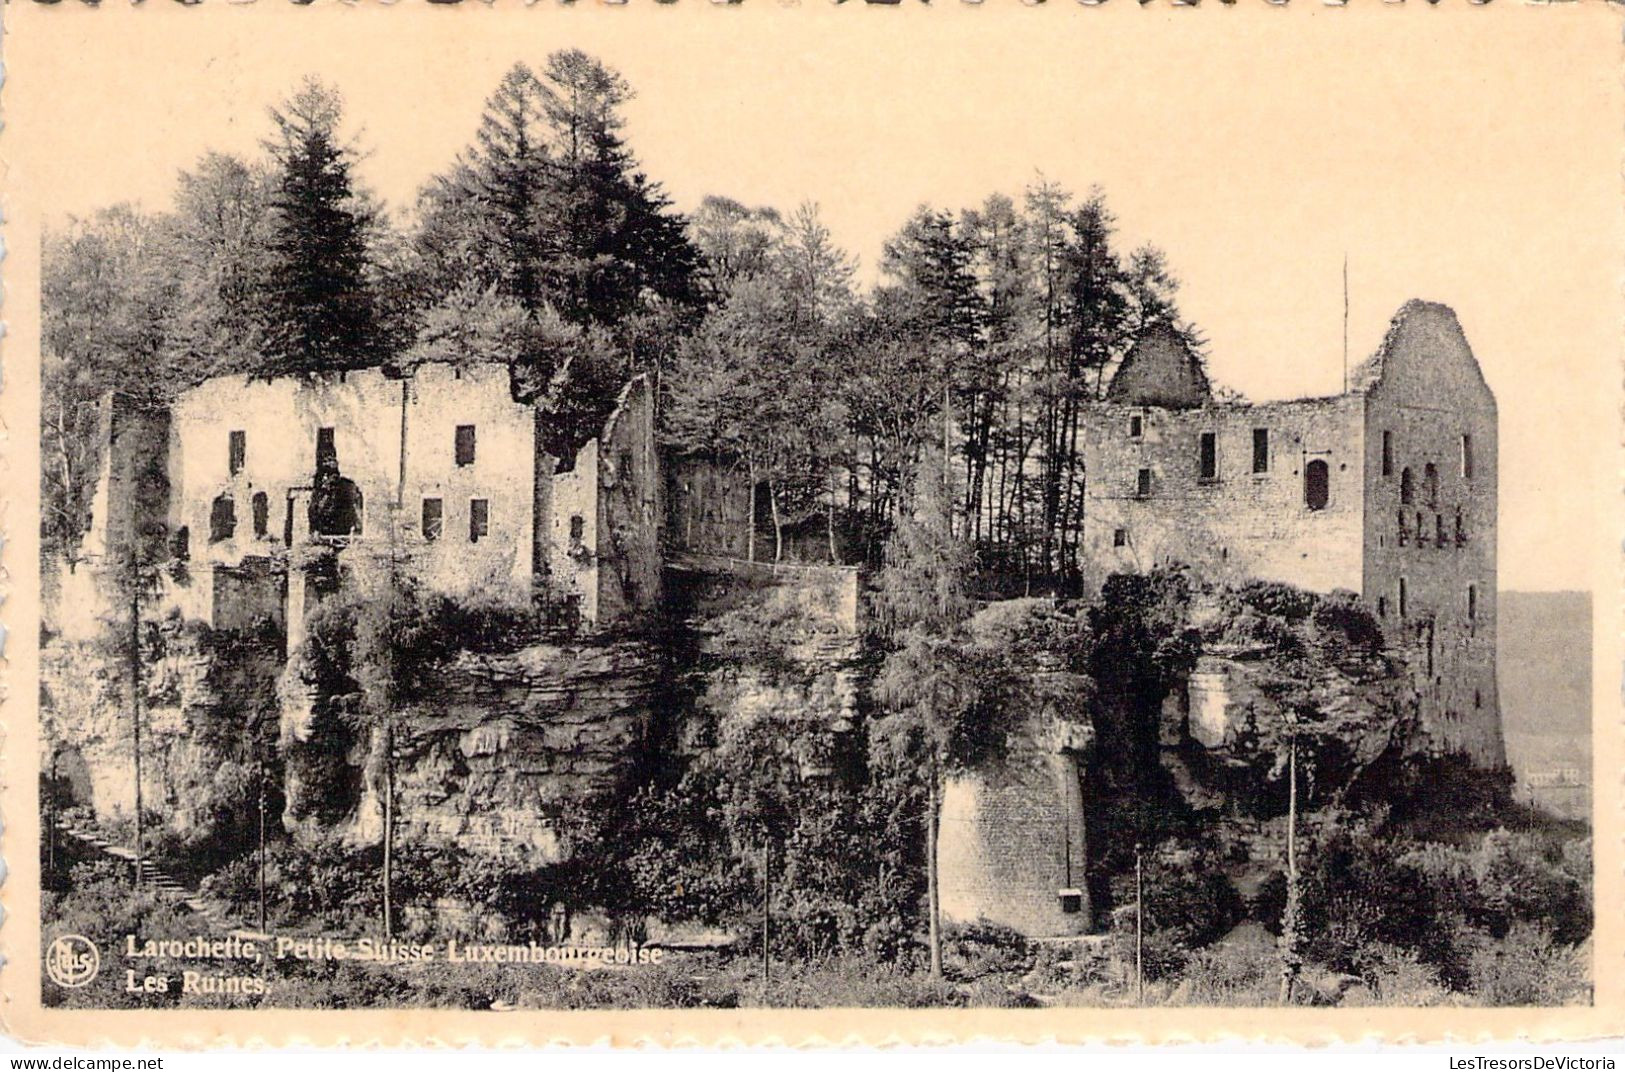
72	961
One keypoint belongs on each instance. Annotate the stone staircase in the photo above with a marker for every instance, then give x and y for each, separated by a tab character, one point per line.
152	877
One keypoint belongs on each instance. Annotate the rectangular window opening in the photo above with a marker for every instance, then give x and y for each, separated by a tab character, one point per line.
1466	457
1404	604
1136	426
1142	485
1209	449
1472	602
237	451
465	444
1387	453
479	519
1261	450
434	519
327	455
1120	537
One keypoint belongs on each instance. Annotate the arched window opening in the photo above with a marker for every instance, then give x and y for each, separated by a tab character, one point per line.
1430	483
1407	487
222	518
1317	485
261	506
1461	529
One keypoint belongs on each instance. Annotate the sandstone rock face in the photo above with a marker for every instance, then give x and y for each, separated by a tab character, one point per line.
488	764
198	704
513	742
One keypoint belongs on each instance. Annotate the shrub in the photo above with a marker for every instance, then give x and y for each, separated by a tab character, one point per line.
1344	624
1188	904
1276	600
975	950
1236	974
1526	968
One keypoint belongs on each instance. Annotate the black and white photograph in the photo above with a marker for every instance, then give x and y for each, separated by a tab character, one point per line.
591	509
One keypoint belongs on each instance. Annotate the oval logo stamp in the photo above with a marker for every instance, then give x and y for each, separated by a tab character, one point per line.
72	961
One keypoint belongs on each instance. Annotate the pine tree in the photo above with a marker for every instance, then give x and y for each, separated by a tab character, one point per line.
319	305
608	231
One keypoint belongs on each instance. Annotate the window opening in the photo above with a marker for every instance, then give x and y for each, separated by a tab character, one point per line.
434	518
1317	485
236	451
222	518
1209	450
465	444
1261	450
479	519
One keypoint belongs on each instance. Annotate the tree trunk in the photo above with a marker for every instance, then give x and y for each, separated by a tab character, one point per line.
829	519
750	527
135	715
261	882
1289	918
778	527
389	829
932	894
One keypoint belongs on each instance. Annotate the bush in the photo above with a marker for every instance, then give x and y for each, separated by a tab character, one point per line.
1345	625
1235	974
1526	968
1276	600
1188	904
972	951
1397	978
101	903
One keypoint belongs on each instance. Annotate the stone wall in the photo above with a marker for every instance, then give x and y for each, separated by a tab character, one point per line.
1429	407
392	437
1236	523
629	509
1011	847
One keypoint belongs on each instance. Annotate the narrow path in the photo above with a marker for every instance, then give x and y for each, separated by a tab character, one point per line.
212	911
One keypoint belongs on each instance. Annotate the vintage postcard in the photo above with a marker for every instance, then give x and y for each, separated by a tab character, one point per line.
812	522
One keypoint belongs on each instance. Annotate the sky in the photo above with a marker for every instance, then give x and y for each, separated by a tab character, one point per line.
1472	161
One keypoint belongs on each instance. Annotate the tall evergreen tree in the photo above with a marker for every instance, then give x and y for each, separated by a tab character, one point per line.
609	232
318	301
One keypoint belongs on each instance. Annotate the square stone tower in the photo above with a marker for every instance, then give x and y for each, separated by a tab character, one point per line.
1387	490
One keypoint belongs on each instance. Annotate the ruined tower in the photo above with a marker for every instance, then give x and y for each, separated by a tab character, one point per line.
1387	490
